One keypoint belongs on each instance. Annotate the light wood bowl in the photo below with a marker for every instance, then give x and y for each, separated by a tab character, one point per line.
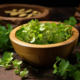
43	55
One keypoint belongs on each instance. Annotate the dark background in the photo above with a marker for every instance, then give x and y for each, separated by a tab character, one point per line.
61	9
47	3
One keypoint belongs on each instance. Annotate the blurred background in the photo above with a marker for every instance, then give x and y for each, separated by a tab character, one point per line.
59	9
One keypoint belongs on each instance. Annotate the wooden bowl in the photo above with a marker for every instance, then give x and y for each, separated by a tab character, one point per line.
43	55
16	21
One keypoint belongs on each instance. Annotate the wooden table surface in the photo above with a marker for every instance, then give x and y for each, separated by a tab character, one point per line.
35	73
41	73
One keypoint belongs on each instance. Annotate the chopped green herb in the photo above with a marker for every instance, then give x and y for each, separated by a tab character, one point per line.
44	33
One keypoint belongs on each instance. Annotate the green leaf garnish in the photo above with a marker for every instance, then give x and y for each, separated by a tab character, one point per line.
5	43
72	21
16	71
63	66
16	63
54	71
24	73
58	59
6	59
77	75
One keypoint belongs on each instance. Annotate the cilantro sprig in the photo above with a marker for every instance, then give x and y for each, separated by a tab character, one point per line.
66	69
5	43
7	61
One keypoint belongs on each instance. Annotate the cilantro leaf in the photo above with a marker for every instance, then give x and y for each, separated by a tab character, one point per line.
6	59
16	63
24	73
58	59
5	43
54	71
16	71
63	66
72	21
71	70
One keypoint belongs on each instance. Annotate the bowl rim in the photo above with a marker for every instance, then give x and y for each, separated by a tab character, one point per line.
14	39
46	11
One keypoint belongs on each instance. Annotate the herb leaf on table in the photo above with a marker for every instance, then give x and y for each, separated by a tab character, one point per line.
6	59
24	72
66	69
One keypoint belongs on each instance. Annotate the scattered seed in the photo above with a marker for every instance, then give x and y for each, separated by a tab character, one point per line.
22	15
14	14
14	10
29	15
28	11
39	13
34	12
7	12
20	10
